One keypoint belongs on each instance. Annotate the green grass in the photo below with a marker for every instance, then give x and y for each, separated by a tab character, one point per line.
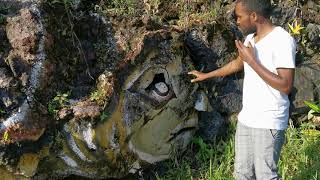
300	157
203	161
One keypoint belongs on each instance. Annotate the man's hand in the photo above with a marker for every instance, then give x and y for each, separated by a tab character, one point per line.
199	76
247	54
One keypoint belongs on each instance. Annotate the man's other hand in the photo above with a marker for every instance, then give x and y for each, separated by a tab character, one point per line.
247	54
199	76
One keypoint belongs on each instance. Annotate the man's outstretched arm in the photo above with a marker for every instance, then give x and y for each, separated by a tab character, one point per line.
230	68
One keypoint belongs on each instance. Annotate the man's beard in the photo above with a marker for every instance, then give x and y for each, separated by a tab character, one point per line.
248	31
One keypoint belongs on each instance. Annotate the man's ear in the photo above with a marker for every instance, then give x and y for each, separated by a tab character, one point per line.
253	17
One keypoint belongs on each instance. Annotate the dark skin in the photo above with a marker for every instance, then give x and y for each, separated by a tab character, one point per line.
249	22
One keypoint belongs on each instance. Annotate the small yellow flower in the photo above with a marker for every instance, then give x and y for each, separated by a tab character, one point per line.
6	136
295	27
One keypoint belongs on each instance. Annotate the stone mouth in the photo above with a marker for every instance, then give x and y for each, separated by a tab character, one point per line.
153	143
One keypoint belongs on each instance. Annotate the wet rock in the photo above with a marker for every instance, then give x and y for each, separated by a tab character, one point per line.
86	110
7	100
306	84
202	103
284	12
230	96
5	78
2	62
313	33
28	164
18	67
231	102
24	79
2	34
202	55
23	34
211	125
311	12
314	117
220	45
25	119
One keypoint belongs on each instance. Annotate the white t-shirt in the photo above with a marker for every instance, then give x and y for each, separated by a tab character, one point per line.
264	106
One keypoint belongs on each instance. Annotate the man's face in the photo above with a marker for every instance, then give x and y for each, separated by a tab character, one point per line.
244	22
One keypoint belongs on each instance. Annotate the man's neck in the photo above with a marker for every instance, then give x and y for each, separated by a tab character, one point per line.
263	29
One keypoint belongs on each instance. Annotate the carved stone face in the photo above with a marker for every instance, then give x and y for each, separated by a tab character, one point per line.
142	110
149	115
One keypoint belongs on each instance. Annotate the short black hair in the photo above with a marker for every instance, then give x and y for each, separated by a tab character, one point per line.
261	7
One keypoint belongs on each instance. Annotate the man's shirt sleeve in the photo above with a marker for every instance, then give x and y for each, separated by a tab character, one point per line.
284	53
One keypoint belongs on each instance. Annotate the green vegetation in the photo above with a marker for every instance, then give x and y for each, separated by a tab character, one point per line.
2	19
104	116
190	13
2	112
299	158
203	161
313	106
66	3
98	96
118	7
58	102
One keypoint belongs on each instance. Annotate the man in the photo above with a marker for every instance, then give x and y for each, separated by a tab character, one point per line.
268	59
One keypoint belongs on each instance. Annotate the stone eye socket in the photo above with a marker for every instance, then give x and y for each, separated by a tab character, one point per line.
152	85
158	89
158	85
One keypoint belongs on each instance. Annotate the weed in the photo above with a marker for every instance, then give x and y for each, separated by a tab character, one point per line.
2	19
204	161
299	157
2	112
313	106
97	96
151	7
118	7
104	116
66	3
58	102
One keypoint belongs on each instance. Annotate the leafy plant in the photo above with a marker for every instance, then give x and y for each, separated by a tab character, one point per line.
151	6
118	7
104	116
313	106
65	3
97	95
58	102
204	161
299	156
2	19
204	152
2	112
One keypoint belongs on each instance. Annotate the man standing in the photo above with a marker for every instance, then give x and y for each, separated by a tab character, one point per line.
268	59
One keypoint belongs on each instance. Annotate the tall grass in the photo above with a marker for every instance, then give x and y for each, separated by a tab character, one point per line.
300	157
203	161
